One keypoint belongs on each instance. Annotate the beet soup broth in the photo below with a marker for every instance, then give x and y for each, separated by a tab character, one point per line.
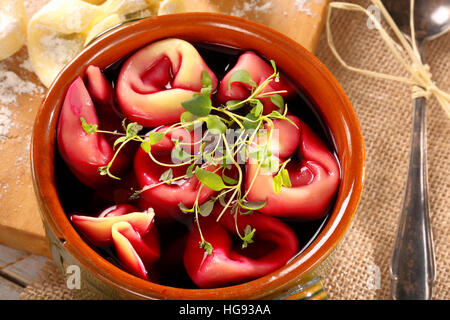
190	239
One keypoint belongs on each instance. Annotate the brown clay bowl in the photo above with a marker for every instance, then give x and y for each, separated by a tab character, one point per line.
100	278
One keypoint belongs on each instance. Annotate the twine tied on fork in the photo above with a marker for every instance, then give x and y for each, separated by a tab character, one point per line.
406	53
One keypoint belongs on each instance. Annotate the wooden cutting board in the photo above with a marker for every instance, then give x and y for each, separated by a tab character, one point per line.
20	223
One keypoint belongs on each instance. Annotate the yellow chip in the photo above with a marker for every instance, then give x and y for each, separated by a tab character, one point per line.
13	23
170	7
61	29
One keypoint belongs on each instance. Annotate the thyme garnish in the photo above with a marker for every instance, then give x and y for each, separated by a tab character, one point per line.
215	149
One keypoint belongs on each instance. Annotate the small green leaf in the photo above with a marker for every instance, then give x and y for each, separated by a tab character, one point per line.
184	208
257	109
103	170
119	140
133	129
248	236
222	201
215	125
228	180
124	124
285	178
206	91
209	179
248	231
234	104
253	205
136	195
251	123
205	245
166	176
187	117
206	208
155	137
145	145
278	101
274	66
190	171
277	183
198	105
241	76
88	128
275	114
187	120
206	79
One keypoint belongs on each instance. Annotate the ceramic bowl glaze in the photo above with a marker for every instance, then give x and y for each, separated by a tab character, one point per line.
100	278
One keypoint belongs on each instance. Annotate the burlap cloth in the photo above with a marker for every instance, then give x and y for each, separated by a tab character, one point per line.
384	111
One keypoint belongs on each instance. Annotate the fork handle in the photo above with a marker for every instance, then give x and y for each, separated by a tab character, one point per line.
412	265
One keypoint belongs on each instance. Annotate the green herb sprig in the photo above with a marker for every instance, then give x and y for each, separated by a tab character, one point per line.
218	120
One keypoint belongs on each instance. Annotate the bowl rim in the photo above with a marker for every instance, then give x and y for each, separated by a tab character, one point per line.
43	148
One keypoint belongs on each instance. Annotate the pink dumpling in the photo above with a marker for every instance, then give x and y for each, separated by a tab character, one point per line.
155	80
314	174
259	71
